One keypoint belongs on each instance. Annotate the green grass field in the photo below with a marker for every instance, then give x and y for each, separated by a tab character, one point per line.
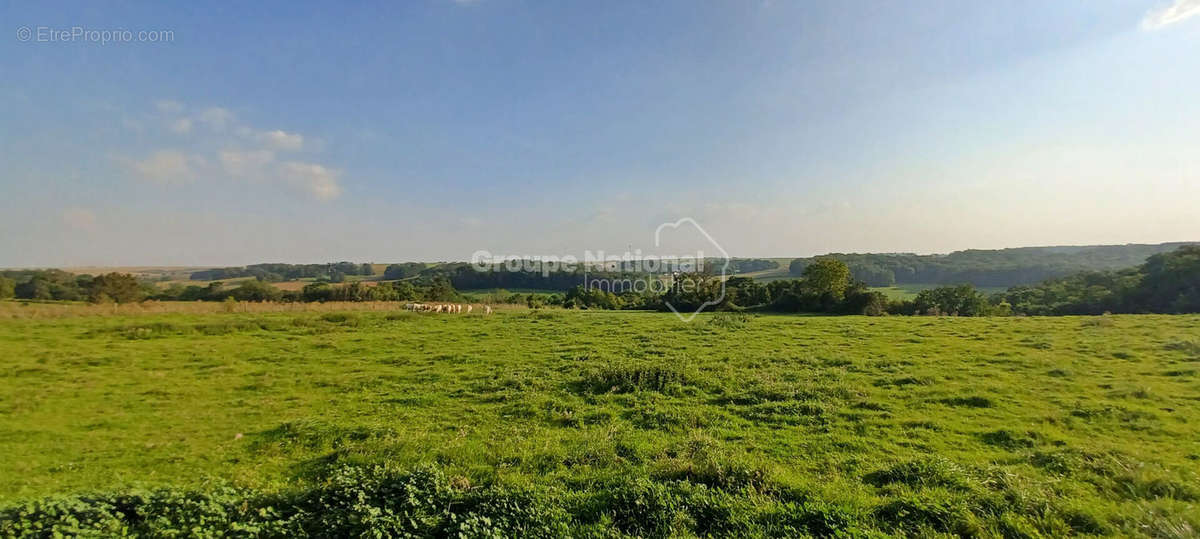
910	291
896	425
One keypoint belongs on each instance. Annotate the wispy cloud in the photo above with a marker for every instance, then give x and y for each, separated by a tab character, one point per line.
216	118
319	182
167	106
166	166
1180	10
236	151
282	140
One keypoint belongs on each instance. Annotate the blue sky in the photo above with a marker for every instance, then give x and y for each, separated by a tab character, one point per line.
427	130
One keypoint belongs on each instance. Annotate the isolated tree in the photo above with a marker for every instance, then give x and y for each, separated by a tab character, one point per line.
827	277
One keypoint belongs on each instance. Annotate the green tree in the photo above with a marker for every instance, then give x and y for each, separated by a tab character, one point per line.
690	291
440	289
317	292
403	271
827	277
256	290
403	290
535	301
1170	283
118	287
962	300
797	266
35	288
745	292
7	287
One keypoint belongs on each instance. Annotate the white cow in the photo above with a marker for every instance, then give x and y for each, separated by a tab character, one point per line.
468	308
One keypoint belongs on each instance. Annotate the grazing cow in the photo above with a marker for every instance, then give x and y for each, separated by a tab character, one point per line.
487	309
468	309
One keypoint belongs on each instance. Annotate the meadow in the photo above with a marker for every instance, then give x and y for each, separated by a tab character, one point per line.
598	423
910	291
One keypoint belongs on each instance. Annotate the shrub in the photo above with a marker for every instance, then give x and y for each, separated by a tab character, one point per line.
629	377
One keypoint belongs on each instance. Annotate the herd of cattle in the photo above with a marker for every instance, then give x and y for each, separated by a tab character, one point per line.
444	308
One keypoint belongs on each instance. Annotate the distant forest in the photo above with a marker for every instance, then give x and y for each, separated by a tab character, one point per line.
1000	268
1167	281
285	272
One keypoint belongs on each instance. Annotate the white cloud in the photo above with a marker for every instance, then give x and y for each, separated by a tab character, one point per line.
79	219
246	164
319	182
1180	10
234	151
281	140
166	106
182	126
165	166
216	118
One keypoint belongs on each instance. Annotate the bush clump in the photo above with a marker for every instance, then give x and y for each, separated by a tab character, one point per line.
635	376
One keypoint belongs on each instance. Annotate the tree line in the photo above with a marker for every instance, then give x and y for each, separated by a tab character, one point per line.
435	289
334	272
989	268
1165	283
59	285
53	284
